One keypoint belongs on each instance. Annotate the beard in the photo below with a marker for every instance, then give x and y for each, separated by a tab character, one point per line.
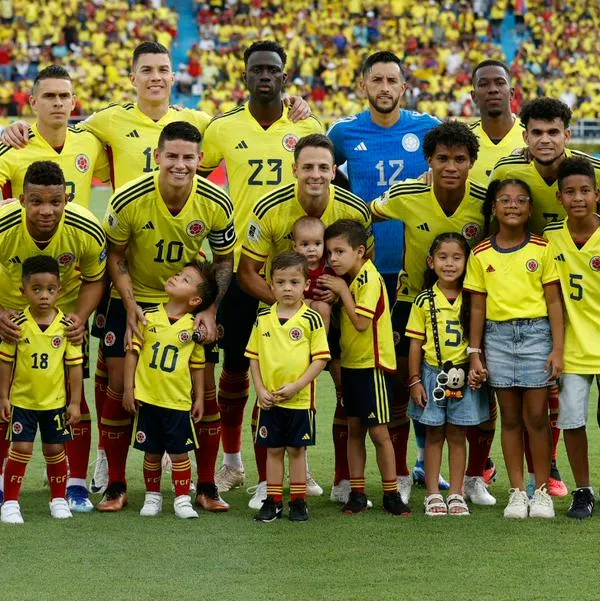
383	109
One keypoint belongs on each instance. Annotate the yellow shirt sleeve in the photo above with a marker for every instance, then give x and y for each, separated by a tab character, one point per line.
73	354
475	280
319	347
8	351
116	228
98	124
257	240
211	152
92	263
367	297
415	328
197	360
384	208
549	271
252	346
102	166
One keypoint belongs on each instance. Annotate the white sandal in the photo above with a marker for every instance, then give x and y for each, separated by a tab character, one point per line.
457	506
435	505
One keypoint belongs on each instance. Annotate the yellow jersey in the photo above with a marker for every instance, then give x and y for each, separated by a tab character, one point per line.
258	160
374	347
130	137
414	203
285	351
269	231
546	207
513	279
490	153
78	245
579	272
159	243
81	158
453	344
40	358
167	353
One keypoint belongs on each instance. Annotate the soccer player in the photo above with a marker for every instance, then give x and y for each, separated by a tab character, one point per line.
257	142
287	350
155	225
271	224
575	245
381	146
80	154
164	371
33	393
45	223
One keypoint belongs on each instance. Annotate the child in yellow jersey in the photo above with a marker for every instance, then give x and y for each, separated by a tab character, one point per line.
287	351
367	360
33	392
575	244
516	303
164	381
438	366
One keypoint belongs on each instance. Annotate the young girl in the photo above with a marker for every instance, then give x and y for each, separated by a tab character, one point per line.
437	364
516	298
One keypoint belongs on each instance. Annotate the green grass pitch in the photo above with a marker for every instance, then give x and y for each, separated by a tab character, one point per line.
333	557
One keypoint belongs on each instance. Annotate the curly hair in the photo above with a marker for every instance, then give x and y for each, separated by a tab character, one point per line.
546	109
451	134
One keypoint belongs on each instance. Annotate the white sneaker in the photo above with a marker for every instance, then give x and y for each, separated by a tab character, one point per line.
229	477
312	486
59	509
259	494
100	478
183	507
405	488
10	513
152	505
340	492
541	506
518	504
477	492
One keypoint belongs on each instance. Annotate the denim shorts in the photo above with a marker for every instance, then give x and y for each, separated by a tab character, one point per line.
516	352
574	398
473	409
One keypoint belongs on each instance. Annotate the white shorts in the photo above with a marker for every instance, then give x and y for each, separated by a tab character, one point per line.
574	397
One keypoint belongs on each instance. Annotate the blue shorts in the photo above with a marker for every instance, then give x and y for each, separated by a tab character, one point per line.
51	422
574	398
281	427
367	395
473	409
516	352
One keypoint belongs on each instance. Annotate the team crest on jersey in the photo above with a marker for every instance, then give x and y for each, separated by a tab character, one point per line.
471	231
289	142
184	336
17	428
140	437
410	142
296	334
112	220
254	231
196	228
100	321
595	263
109	339
65	259
263	432
102	256
82	162
532	265
56	341
396	338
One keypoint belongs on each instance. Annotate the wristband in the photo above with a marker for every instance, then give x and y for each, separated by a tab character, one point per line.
413	377
471	350
414	383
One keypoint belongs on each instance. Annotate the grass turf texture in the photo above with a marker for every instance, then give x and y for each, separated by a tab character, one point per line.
332	557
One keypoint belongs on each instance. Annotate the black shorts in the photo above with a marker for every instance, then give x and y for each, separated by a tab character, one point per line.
400	314
158	429
335	332
51	422
99	320
280	427
391	286
237	313
367	395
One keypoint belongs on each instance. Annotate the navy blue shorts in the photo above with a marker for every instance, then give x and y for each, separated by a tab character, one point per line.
52	423
400	314
280	427
367	393
158	429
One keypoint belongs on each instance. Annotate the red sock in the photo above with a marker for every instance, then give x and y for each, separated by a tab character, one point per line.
208	433
116	434
14	472
260	451
276	491
555	440
234	388
399	434
152	475
553	408
100	387
182	475
480	444
357	484
4	444
56	468
339	431
78	449
297	490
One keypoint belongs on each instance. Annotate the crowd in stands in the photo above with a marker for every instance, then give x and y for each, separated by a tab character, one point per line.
326	40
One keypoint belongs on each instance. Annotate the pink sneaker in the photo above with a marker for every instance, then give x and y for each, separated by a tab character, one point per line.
557	488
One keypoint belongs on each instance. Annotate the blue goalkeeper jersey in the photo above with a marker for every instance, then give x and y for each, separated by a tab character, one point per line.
376	158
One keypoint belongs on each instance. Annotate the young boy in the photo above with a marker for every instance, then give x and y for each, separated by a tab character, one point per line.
163	373
367	361
287	351
576	247
37	395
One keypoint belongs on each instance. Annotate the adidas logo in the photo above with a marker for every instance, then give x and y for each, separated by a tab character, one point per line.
15	260
133	134
267	334
490	269
189	441
26	341
423	227
241	146
306	437
361	146
148	226
371	415
560	257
